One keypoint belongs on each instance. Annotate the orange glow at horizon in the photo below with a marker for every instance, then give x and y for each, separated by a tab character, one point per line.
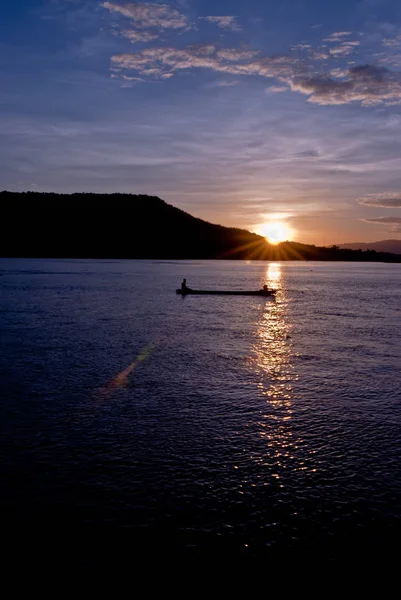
274	231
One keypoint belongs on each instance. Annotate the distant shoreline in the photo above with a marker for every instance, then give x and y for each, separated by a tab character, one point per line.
169	259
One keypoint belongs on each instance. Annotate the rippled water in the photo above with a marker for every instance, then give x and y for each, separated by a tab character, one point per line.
202	426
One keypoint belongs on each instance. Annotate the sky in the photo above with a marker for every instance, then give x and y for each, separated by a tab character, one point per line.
240	112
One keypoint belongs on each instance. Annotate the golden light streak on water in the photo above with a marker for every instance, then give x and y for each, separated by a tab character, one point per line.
273	346
273	275
275	375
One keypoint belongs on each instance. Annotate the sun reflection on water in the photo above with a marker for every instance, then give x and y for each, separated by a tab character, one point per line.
274	368
273	275
273	347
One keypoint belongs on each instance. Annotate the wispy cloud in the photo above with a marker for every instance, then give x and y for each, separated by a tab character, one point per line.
394	42
301	47
138	36
158	61
368	84
319	55
235	55
127	78
339	73
344	48
338	36
384	199
277	89
228	23
306	69
394	222
145	16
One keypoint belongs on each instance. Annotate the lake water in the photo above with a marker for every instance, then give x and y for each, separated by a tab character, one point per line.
203	427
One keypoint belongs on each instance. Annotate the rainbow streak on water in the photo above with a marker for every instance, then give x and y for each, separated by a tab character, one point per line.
121	380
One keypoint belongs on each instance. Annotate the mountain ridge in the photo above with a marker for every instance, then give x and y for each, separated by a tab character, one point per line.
83	225
393	246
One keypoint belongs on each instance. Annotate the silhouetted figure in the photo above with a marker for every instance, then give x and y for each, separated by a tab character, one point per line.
265	288
184	285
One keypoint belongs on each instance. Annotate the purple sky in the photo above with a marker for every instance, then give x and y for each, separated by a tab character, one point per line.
239	112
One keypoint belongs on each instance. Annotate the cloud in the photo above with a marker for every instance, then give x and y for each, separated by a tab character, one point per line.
384	199
319	55
337	36
394	42
236	55
225	83
128	81
338	46
229	23
391	61
338	72
138	36
158	61
368	84
301	47
145	16
344	48
277	89
395	222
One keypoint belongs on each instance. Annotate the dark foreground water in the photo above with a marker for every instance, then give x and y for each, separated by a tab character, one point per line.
136	423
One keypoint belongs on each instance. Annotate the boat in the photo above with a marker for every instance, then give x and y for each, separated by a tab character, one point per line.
189	291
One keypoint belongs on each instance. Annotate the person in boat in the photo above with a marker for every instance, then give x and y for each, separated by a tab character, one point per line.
184	285
265	288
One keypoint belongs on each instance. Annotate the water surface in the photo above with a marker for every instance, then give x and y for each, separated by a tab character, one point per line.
202	426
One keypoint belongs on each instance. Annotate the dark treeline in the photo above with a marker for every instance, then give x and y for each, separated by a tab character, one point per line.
131	226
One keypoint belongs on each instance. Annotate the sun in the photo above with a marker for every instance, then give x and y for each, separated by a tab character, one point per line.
274	231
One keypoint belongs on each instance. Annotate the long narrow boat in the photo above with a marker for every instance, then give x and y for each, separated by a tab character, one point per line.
189	291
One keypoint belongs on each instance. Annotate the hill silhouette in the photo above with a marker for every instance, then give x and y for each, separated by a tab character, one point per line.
137	226
393	246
